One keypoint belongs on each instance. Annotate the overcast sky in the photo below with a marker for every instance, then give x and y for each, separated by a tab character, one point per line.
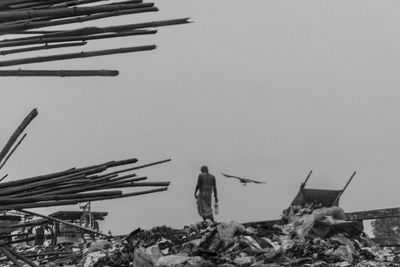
260	89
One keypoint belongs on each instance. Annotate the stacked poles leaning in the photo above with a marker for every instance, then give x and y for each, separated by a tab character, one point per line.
41	23
98	182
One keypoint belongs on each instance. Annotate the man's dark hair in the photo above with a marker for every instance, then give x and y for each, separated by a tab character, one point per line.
204	169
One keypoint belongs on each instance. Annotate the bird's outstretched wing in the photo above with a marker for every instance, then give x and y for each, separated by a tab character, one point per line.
243	180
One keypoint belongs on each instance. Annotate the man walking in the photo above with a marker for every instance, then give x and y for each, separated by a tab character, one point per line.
205	186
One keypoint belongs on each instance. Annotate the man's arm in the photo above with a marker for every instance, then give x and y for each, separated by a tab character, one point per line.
215	191
197	187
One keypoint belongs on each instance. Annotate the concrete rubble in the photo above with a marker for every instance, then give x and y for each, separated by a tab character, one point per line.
309	237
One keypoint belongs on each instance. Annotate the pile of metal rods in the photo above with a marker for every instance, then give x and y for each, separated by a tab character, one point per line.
25	17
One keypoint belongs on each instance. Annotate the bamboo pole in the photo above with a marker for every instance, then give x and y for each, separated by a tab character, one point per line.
122	28
48	190
57	13
109	164
91	187
52	3
27	224
14	235
21	257
28	119
10	256
70	177
34	199
40	204
59	73
51	253
46	46
134	194
4	28
144	192
76	55
4	177
45	39
141	184
64	222
20	240
12	151
141	166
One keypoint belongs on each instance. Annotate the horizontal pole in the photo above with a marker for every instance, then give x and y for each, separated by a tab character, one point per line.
7	28
10	256
53	175
59	73
27	224
373	214
45	39
145	192
4	201
67	12
42	47
21	257
54	181
64	222
39	204
392	241
76	55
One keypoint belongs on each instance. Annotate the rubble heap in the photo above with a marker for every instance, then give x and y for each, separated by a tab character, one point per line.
319	237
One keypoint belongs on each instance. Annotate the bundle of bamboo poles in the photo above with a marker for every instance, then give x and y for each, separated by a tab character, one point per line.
25	17
72	186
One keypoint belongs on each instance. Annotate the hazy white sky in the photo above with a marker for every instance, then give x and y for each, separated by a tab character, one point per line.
260	89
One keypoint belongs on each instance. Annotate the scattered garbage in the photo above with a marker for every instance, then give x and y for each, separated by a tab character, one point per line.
310	239
307	237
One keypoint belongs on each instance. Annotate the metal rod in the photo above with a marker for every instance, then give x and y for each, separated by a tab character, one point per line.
344	188
308	177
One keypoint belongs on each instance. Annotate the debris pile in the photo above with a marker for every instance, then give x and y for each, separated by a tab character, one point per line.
320	237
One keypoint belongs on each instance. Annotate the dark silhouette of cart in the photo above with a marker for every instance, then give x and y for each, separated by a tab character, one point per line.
322	197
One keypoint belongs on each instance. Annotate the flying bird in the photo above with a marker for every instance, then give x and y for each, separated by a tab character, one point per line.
244	181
